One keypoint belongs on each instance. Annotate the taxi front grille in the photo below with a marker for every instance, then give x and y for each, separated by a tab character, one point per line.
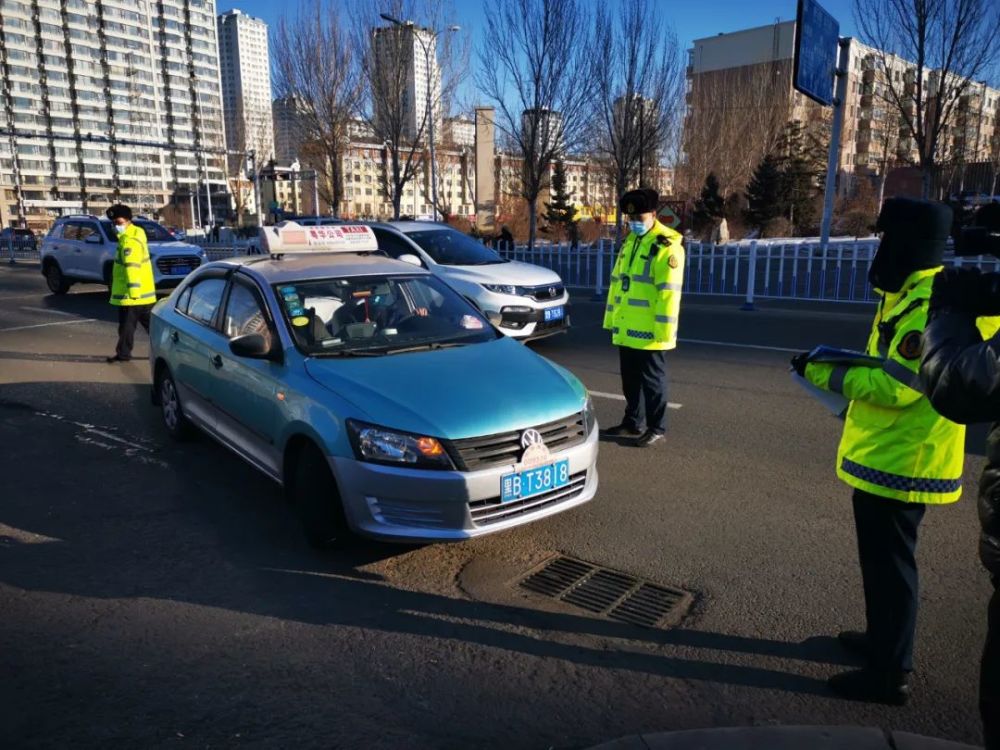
486	512
473	454
177	264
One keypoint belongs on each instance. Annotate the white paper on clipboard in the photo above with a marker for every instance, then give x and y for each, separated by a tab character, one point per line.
834	402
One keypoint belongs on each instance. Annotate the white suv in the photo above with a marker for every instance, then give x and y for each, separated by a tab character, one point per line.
527	301
82	248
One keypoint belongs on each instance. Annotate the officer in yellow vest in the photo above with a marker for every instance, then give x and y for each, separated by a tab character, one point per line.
897	453
132	287
644	300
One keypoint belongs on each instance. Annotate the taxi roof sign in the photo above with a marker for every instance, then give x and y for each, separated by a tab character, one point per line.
291	237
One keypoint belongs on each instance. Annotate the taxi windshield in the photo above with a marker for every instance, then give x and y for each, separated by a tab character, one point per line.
374	315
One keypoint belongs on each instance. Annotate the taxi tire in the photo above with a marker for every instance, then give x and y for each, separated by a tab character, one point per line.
315	494
171	411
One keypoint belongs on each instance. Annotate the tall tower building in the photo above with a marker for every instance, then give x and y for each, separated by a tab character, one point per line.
412	50
245	66
109	100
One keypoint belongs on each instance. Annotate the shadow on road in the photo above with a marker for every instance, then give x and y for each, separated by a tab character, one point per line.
193	525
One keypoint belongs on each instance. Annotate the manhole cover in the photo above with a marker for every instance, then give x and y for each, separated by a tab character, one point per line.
607	592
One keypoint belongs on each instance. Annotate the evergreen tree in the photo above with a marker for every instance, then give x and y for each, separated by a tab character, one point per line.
559	213
710	206
765	194
802	162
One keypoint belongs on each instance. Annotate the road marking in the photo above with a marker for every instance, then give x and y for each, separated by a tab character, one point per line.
43	325
20	296
49	310
619	397
739	346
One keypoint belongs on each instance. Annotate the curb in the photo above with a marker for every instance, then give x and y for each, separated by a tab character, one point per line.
782	738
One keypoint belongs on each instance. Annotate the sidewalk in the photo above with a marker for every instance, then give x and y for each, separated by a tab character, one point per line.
781	738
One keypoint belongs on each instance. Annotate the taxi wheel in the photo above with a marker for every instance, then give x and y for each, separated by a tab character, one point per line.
170	407
315	494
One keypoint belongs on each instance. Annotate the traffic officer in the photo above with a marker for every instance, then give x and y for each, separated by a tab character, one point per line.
644	300
132	288
897	453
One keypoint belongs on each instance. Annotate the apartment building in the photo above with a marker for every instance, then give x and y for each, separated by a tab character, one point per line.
245	68
746	77
108	101
418	50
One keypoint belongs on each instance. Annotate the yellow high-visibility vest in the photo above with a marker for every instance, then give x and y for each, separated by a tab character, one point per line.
132	275
644	297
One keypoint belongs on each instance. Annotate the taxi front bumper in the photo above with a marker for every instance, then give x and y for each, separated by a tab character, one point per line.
413	505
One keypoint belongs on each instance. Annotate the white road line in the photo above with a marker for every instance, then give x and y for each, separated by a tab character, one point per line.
48	310
739	346
619	397
43	325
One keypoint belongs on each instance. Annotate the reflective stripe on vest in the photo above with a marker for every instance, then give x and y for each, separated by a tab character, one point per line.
898	482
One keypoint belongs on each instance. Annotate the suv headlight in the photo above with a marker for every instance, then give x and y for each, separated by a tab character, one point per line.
589	415
380	445
516	291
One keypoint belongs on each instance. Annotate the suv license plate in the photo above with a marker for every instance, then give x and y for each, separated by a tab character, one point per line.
524	484
554	313
181	270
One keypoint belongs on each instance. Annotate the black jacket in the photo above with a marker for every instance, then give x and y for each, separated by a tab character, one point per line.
961	376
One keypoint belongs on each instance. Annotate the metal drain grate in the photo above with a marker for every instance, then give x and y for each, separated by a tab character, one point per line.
611	593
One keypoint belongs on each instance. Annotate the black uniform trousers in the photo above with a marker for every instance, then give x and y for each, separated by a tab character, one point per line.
128	317
989	677
644	385
887	545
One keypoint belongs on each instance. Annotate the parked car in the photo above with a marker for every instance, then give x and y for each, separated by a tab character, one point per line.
381	400
82	248
530	301
23	239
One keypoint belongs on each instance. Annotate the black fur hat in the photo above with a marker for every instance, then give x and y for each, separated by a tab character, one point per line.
914	235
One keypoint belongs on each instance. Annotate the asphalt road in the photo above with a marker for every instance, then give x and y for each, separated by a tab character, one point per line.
156	594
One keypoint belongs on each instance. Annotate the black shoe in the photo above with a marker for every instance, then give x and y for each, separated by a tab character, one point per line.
856	642
891	688
649	438
621	430
115	358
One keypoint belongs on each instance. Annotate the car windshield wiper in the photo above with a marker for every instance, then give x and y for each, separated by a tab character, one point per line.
423	347
350	353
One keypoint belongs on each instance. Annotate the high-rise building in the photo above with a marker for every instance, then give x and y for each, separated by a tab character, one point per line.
545	127
108	101
412	50
245	67
289	129
459	131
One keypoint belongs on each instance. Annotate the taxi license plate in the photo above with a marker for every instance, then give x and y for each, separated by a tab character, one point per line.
554	313
524	484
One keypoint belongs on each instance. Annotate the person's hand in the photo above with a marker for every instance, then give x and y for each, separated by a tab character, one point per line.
421	312
966	289
799	362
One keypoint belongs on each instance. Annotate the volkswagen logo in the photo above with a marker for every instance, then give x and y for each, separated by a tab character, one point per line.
531	437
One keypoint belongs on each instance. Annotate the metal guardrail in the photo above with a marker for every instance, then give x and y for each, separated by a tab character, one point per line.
769	269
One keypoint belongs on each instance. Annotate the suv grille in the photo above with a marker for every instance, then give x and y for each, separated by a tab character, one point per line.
472	454
545	292
485	512
169	266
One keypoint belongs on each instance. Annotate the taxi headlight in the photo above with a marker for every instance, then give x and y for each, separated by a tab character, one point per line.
589	415
383	446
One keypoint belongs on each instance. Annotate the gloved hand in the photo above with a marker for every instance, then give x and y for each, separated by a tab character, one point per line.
799	362
966	289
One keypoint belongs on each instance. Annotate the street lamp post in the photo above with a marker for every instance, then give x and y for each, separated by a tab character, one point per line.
428	110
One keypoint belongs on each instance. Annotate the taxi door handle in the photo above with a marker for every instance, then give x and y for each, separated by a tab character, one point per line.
217	361
174	336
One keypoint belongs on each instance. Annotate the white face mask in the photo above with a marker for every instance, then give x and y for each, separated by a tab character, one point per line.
120	228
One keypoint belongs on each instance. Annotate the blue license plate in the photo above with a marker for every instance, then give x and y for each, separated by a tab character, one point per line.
554	313
530	482
181	270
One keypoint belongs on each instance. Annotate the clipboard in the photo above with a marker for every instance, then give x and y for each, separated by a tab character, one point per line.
833	402
849	357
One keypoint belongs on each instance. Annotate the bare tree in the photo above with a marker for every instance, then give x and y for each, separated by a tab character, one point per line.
735	118
948	44
639	81
534	65
317	66
253	132
396	57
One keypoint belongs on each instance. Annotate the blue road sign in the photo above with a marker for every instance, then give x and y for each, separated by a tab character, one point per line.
816	36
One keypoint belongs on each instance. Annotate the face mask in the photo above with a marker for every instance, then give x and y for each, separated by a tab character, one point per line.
120	228
638	227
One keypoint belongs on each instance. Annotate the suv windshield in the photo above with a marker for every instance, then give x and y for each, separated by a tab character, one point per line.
370	315
154	232
449	247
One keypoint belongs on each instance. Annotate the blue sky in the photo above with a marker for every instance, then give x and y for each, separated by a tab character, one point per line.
691	20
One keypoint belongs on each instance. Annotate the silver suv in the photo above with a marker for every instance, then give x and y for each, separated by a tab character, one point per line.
82	248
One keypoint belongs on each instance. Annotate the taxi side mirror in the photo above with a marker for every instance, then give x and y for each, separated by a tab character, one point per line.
252	346
413	260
